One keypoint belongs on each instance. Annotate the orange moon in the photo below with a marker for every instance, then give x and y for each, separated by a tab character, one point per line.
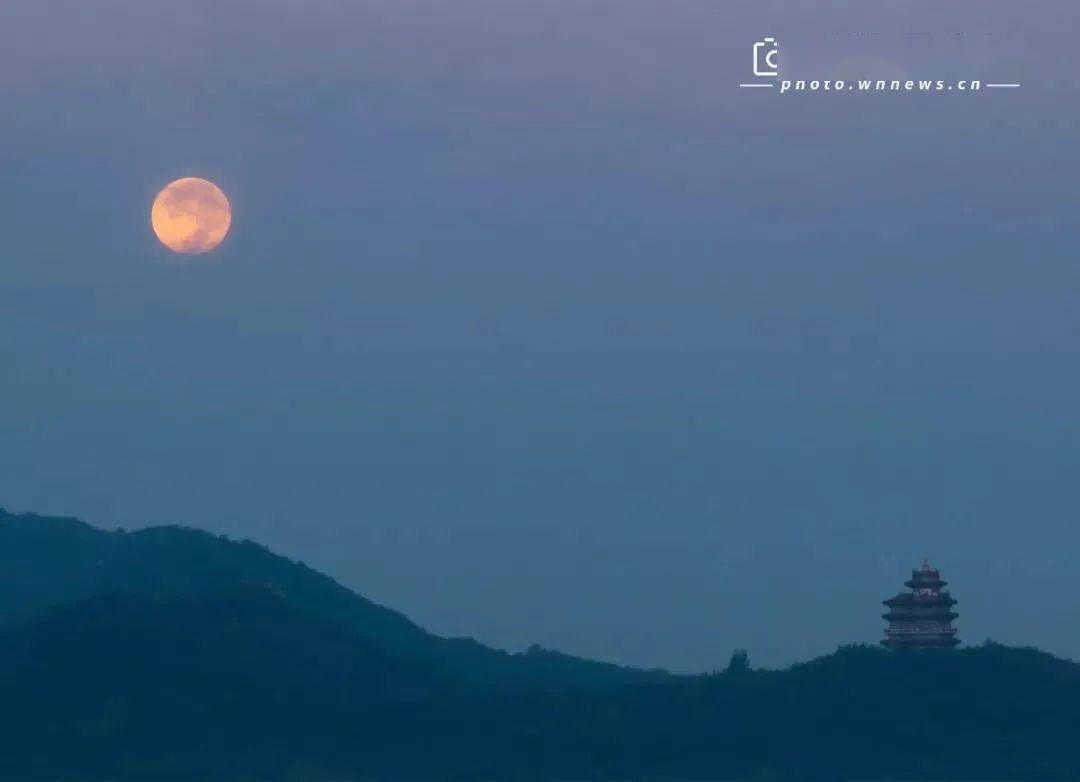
191	216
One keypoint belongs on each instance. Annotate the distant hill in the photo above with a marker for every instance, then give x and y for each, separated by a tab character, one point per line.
240	684
194	658
48	561
227	684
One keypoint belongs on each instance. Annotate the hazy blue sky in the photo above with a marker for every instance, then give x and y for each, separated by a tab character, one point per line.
537	328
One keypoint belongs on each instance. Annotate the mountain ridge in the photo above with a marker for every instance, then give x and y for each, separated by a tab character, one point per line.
72	560
172	654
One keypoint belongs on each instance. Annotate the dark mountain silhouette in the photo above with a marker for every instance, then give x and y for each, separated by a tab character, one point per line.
48	561
227	680
224	684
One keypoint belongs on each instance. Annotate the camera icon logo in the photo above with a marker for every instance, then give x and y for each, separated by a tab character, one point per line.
766	52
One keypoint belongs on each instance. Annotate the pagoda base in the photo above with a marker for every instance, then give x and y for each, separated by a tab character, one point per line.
923	642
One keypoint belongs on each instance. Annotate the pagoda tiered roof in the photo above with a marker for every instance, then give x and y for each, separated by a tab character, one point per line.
909	599
925	580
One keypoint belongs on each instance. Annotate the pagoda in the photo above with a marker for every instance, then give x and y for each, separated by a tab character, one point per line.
921	618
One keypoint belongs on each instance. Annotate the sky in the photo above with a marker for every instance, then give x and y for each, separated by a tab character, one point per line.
535	326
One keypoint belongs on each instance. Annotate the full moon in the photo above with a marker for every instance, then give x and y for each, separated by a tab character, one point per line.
191	216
